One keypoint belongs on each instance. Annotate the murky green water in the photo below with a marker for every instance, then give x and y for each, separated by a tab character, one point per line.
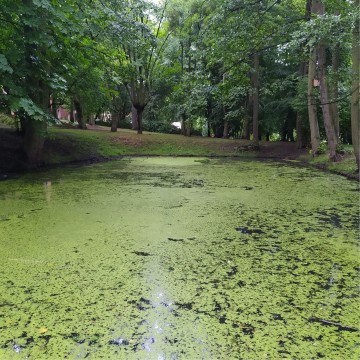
165	258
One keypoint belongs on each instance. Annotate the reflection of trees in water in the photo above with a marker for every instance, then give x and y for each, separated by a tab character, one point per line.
48	190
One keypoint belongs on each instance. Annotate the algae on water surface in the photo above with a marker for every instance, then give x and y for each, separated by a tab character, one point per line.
164	258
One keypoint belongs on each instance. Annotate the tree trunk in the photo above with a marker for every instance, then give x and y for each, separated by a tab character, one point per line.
324	93
92	119
183	124
139	114
188	127
226	130
314	125
114	122
300	132
325	104
79	114
134	124
246	124
300	126
334	89
255	86
355	88
54	106
34	141
72	119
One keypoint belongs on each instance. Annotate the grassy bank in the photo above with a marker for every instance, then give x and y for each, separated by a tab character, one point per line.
64	145
73	144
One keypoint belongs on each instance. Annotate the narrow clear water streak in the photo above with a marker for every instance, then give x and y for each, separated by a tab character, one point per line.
179	258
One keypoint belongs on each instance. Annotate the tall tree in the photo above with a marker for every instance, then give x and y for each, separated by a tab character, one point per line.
319	8
355	85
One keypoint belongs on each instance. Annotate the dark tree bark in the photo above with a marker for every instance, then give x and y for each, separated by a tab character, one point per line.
188	127
245	134
114	121
72	118
34	130
91	119
301	140
79	114
54	106
324	93
34	141
134	124
226	130
255	86
355	88
334	90
313	120
139	114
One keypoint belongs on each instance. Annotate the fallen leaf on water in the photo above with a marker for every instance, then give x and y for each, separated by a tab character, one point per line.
43	330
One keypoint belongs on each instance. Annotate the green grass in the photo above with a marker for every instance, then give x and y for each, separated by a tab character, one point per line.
73	144
346	165
64	145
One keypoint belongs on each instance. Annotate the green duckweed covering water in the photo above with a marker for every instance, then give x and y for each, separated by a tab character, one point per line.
164	258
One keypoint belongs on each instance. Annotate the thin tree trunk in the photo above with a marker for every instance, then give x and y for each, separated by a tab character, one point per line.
301	133
139	112
72	119
246	124
334	88
355	88
183	124
114	122
325	105
79	114
300	126
188	130
255	86
324	95
134	124
54	106
92	119
226	130
313	120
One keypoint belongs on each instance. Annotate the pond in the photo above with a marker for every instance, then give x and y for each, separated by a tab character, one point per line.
179	258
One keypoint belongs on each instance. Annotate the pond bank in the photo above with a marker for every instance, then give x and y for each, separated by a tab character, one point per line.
73	146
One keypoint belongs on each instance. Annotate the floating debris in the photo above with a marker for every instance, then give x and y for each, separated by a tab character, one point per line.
246	230
147	343
17	348
176	240
119	342
141	253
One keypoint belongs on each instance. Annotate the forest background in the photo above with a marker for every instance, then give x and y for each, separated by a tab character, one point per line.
252	69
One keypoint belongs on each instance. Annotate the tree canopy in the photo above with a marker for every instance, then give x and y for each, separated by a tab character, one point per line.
256	69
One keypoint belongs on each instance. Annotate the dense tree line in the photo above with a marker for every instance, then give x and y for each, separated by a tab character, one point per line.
255	69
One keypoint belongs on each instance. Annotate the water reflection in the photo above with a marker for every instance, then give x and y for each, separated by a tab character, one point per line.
48	190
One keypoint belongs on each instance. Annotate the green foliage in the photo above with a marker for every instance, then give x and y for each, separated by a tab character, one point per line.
4	65
188	61
8	120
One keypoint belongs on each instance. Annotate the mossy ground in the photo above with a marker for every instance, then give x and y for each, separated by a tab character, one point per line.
179	258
